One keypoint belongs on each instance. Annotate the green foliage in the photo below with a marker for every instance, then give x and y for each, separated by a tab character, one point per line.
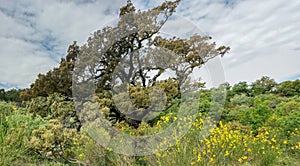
58	80
15	132
289	88
2	94
134	56
55	106
241	88
40	106
52	140
291	122
6	109
204	101
256	115
289	106
242	99
263	86
10	95
251	132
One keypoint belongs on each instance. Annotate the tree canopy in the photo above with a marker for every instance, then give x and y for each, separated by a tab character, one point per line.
134	57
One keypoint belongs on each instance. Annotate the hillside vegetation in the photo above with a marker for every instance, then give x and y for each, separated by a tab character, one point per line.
258	126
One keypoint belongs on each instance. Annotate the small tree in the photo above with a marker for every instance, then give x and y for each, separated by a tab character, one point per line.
263	85
241	88
289	88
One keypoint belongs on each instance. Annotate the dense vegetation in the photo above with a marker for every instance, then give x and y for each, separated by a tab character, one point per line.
258	129
259	122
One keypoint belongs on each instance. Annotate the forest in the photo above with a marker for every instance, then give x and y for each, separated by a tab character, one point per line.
90	110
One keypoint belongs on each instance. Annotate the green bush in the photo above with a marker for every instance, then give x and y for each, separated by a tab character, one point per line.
55	106
242	99
291	122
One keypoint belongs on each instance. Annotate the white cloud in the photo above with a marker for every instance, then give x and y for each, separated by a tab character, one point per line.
20	61
263	35
34	35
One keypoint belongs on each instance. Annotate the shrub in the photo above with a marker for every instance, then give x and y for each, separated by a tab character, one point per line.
55	106
242	99
53	141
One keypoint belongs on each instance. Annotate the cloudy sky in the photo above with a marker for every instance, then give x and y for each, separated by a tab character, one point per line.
264	36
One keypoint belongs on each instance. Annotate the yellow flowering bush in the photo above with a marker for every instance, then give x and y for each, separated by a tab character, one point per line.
227	144
53	141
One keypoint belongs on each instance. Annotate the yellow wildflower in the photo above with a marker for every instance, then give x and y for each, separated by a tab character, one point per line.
240	160
226	153
199	158
80	155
